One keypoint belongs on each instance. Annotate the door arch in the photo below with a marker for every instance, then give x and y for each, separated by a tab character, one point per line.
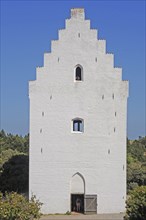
77	193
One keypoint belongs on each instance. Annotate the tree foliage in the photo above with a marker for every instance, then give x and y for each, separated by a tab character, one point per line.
5	155
14	162
136	163
136	149
16	207
15	174
14	142
136	179
136	204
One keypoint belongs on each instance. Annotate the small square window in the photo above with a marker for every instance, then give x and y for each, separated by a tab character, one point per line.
77	125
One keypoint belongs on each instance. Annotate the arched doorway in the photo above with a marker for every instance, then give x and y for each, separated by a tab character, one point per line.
77	193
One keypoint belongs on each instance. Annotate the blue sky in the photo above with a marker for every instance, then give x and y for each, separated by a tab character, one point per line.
27	28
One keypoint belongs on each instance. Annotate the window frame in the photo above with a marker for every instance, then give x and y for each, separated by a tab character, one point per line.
75	68
81	129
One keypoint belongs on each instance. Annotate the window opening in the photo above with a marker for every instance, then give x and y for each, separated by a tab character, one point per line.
78	125
78	74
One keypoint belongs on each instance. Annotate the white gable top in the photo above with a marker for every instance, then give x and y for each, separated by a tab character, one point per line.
78	13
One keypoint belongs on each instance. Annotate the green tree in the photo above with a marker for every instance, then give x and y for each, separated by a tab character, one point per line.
6	155
136	163
15	174
137	149
136	204
14	142
136	174
2	134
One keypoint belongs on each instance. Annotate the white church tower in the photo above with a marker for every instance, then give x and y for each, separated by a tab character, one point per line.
78	111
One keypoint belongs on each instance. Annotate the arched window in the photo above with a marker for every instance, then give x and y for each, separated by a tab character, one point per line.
78	125
78	73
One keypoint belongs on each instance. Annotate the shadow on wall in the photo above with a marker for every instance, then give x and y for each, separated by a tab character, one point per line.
14	176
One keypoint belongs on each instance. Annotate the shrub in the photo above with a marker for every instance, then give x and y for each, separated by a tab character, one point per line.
16	207
136	204
68	213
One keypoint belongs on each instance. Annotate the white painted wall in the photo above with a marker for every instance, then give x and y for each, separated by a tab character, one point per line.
57	153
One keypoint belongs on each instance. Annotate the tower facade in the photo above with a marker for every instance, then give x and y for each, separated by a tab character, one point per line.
78	111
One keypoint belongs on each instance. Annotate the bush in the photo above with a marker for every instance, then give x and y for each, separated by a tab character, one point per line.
136	174
136	204
16	207
132	186
68	213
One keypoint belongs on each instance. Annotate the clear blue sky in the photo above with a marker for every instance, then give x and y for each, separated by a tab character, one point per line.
27	28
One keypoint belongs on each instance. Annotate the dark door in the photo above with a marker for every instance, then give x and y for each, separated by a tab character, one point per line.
77	203
90	204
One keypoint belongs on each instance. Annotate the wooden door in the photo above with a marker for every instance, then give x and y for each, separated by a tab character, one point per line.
90	204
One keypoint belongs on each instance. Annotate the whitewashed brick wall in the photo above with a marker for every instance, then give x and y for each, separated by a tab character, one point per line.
99	153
